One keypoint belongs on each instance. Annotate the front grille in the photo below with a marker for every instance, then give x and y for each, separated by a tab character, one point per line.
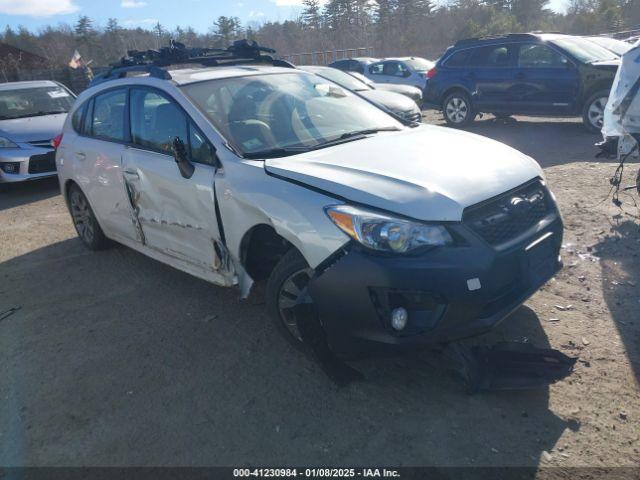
509	215
41	143
10	167
43	163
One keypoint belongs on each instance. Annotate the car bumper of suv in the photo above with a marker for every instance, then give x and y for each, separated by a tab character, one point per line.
21	164
449	293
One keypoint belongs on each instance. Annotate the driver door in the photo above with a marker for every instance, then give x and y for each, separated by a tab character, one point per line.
176	215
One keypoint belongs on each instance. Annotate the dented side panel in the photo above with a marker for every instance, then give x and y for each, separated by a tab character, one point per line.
176	215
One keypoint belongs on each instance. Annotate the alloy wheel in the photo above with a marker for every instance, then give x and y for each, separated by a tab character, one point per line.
596	112
457	110
82	216
290	292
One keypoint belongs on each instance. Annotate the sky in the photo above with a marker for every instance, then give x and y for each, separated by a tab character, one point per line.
198	14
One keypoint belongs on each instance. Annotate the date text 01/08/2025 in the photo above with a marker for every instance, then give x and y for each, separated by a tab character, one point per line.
316	472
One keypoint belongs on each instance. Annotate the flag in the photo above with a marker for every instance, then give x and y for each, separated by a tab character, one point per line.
76	60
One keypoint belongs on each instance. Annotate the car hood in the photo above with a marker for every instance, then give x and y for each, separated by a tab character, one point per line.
428	173
31	129
391	100
403	89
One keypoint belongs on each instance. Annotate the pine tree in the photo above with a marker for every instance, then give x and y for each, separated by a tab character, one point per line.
310	16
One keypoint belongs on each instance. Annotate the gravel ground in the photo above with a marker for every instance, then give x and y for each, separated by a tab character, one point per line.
116	359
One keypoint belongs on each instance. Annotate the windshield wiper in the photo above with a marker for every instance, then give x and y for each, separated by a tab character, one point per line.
276	152
367	131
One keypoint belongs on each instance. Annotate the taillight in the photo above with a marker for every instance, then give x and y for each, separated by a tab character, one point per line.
432	73
56	141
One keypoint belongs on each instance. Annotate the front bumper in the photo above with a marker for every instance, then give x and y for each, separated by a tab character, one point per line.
450	293
27	163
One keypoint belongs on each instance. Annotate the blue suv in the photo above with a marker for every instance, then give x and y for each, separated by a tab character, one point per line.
530	74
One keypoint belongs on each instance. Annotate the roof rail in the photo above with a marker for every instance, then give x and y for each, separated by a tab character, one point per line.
489	38
152	61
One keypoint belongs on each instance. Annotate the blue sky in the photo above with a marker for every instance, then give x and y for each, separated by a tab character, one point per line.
198	14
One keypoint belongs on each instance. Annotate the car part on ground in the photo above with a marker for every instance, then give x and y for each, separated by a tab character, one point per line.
393	240
31	115
528	74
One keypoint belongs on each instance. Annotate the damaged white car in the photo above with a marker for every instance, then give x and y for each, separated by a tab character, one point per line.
397	234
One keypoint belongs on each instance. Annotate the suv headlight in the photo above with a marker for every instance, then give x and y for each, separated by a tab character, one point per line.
384	233
6	143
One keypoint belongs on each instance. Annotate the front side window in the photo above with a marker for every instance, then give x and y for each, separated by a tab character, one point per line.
540	56
395	69
376	68
291	110
156	121
34	102
107	119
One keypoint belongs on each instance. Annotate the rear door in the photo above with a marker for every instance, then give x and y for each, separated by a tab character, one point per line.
177	215
546	81
492	70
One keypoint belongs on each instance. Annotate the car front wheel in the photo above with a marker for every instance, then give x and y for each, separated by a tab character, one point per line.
458	110
593	112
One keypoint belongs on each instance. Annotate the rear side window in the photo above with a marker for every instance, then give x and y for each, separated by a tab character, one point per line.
156	121
492	56
76	120
376	69
341	64
107	118
459	59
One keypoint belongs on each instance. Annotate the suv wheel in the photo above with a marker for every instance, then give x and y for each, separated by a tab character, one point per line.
85	221
593	112
458	110
285	285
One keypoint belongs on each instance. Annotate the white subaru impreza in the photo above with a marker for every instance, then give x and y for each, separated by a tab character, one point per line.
398	234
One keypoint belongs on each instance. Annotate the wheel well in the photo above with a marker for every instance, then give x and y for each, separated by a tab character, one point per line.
450	91
261	249
67	186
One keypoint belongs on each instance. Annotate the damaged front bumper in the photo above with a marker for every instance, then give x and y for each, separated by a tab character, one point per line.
449	293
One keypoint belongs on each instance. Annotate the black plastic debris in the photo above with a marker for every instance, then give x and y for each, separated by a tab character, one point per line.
508	366
8	313
315	338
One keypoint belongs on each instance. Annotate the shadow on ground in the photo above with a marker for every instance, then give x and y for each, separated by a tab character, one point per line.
620	260
115	359
16	194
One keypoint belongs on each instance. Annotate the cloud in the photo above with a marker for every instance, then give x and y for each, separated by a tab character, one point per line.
255	14
132	4
37	8
140	21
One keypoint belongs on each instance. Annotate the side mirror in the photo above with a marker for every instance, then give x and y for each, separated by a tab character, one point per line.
182	159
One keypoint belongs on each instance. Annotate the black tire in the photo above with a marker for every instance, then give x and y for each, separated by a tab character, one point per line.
638	182
291	270
593	111
84	220
458	109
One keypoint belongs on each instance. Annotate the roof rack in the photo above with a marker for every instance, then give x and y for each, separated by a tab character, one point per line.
242	52
467	41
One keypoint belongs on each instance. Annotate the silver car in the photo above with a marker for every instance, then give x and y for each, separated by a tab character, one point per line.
403	71
31	115
396	103
414	93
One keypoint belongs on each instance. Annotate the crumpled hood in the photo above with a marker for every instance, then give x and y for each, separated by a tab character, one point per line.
428	173
31	129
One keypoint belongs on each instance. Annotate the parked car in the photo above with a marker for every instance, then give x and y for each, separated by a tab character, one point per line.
403	71
396	103
612	44
533	74
31	115
413	93
357	64
236	174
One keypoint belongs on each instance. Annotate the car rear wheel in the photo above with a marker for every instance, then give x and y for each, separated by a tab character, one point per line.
285	286
85	221
458	110
593	113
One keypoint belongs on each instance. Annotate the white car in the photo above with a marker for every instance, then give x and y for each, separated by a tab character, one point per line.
395	234
403	71
31	115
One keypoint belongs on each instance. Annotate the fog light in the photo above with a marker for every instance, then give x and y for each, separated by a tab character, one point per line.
399	318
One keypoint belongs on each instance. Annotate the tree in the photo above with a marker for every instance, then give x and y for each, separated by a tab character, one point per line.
227	29
84	28
311	16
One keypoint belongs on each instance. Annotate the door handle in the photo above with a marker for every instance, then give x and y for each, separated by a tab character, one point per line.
131	173
80	156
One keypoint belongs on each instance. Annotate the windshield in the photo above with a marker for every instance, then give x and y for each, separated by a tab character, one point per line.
264	113
616	46
31	102
338	76
419	64
584	50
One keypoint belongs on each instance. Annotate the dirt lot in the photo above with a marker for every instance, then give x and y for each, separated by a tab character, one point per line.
116	359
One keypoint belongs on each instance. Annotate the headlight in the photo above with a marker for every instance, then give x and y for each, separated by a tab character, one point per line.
6	143
385	233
